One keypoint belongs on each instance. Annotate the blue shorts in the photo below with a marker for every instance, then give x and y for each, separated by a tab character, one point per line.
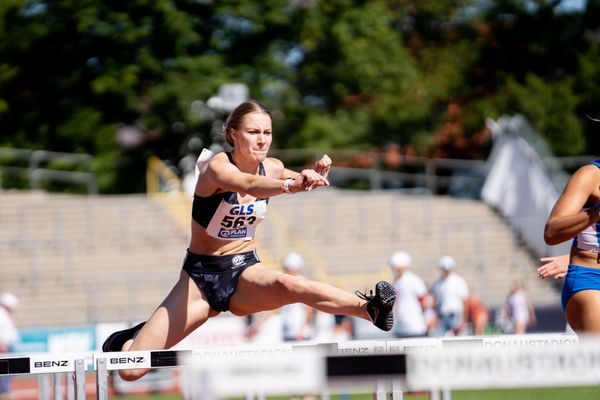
579	278
5	381
217	276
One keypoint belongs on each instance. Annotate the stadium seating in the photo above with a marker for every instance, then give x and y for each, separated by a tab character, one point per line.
348	236
79	259
87	259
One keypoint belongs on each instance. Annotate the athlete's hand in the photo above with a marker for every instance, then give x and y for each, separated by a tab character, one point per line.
554	267
322	166
308	179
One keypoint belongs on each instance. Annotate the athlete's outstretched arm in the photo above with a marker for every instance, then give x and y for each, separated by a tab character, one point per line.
221	174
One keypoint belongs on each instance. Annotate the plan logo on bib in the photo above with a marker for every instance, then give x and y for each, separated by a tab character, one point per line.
235	233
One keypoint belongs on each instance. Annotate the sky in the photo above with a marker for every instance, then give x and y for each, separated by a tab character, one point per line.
572	5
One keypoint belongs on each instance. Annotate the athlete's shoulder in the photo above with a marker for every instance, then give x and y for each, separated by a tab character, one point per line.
587	172
593	166
273	166
219	161
220	157
273	162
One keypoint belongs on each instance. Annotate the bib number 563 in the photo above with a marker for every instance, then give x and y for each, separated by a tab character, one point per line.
236	222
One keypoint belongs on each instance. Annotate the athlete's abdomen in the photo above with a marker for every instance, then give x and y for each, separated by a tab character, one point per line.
202	243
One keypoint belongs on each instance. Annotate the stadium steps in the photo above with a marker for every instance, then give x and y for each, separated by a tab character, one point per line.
350	235
86	259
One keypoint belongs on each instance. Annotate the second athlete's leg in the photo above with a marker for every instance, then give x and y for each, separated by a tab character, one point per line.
582	311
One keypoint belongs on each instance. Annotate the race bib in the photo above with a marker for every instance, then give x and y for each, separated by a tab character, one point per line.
236	221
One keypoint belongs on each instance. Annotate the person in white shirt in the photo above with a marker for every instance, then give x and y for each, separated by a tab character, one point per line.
410	292
297	319
9	334
520	308
450	292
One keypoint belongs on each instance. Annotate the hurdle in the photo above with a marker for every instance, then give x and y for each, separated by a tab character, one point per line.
386	368
73	365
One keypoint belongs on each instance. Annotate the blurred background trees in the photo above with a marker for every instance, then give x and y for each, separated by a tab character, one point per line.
126	80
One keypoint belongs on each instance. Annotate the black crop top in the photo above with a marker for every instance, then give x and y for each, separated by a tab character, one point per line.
204	208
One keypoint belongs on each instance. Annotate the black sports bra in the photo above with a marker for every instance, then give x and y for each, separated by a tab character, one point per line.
204	208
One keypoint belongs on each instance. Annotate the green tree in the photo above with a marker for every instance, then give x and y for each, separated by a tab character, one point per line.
76	75
75	71
356	80
588	85
527	63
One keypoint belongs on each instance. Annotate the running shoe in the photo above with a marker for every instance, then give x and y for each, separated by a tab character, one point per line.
116	340
380	306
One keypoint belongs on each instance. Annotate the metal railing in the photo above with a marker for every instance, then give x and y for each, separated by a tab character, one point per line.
462	178
37	171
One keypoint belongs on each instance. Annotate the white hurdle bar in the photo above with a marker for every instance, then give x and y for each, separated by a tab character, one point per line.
73	365
385	366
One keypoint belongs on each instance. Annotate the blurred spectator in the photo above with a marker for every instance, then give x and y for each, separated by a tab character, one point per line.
187	166
296	319
409	320
430	314
519	308
450	292
477	315
251	325
343	329
392	155
9	334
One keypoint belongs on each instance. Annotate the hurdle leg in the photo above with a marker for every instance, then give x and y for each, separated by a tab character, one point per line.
380	392
69	384
185	384
446	394
325	393
58	387
79	378
43	387
397	393
101	379
198	385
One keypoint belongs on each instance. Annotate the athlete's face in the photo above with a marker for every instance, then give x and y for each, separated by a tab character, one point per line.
253	136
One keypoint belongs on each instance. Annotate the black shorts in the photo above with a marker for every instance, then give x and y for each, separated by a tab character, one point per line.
217	276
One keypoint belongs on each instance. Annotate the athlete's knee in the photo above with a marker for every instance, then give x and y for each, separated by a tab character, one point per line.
132	374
